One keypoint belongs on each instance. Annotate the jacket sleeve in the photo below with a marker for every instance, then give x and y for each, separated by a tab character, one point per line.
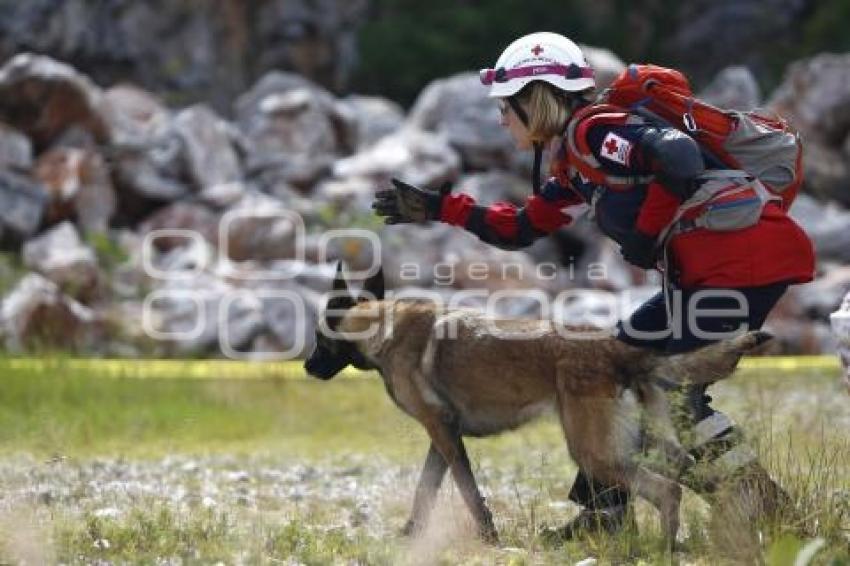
510	227
676	160
674	157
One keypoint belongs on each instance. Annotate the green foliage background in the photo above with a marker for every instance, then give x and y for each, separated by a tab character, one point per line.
406	44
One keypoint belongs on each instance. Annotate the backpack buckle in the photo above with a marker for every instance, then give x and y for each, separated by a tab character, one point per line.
689	122
688	117
686	225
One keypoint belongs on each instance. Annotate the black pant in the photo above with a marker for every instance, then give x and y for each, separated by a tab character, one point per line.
753	305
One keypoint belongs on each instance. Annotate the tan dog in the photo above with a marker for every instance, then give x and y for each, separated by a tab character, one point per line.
461	374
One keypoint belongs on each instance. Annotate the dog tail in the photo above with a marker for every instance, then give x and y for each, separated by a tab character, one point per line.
708	364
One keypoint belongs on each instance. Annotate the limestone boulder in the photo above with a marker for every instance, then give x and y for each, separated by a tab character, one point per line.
374	117
290	312
43	97
438	256
458	109
15	149
177	224
23	203
823	295
61	256
209	154
147	153
183	314
828	225
827	175
606	64
80	187
734	88
190	51
815	96
294	129
416	156
259	228
133	115
36	316
150	176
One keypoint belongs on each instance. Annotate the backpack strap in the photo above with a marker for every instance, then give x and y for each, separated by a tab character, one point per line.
695	133
580	155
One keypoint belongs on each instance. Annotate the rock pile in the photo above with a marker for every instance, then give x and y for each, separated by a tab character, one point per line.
187	52
137	229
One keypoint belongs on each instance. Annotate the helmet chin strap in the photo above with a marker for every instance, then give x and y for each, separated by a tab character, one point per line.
538	146
538	158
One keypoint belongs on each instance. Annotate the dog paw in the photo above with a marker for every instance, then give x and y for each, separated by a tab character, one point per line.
489	535
553	537
409	529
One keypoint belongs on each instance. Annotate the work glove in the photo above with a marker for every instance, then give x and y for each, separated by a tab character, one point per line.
406	203
639	250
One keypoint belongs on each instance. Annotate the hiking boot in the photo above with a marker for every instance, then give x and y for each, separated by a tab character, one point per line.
591	522
728	466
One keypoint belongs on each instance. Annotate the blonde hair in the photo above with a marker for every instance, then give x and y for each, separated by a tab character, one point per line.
548	109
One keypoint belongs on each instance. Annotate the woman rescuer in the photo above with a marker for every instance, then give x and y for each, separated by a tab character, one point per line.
633	175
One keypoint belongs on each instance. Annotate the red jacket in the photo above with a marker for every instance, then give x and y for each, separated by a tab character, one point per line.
775	250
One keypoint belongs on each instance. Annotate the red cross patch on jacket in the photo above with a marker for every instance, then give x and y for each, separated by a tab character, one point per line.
616	148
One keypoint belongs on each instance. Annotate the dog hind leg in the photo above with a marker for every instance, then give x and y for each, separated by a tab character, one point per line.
664	494
430	479
598	438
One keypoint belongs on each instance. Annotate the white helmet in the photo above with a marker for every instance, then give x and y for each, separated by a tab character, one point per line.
541	56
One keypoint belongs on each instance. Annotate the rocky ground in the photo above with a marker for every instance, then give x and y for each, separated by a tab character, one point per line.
137	229
67	510
200	464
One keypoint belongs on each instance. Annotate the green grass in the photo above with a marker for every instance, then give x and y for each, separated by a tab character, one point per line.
62	408
63	411
148	534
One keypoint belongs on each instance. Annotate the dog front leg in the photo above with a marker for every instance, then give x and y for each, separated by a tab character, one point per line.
450	445
426	490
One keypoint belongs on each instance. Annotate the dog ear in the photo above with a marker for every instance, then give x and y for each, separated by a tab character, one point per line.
340	300
340	284
375	285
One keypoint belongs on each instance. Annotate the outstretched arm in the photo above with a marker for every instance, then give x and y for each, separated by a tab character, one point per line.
509	226
502	224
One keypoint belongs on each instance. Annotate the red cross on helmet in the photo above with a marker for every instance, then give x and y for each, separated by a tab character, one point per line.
541	56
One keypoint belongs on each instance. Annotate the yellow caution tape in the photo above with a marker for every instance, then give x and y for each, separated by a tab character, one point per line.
825	362
160	369
232	369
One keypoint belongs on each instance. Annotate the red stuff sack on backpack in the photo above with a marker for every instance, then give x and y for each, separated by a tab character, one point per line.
757	142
